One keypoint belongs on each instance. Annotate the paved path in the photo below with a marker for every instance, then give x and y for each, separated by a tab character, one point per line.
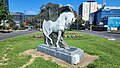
104	34
4	36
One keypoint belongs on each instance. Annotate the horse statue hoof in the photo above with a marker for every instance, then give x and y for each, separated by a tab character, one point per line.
51	43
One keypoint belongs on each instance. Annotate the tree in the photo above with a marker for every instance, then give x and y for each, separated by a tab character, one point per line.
46	11
49	12
15	27
29	21
79	21
33	22
4	12
22	25
75	13
43	6
11	22
95	22
36	22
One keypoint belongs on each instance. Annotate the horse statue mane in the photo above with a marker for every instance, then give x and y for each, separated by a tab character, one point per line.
53	31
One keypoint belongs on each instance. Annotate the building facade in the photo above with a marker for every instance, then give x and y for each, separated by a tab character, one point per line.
108	16
102	14
113	23
88	7
18	17
31	16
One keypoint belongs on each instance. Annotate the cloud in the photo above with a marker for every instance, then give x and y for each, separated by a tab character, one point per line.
30	13
60	5
69	5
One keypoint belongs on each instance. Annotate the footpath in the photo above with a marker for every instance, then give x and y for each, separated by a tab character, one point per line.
103	34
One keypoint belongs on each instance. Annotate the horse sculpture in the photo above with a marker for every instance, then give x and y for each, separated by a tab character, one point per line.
62	23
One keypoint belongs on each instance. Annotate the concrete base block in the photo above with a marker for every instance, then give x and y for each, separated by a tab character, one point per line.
71	55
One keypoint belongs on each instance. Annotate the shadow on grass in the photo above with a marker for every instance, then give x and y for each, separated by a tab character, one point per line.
91	66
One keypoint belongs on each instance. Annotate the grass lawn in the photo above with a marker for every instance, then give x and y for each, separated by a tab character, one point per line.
108	51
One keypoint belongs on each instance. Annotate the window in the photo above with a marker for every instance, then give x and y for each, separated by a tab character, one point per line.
111	22
117	22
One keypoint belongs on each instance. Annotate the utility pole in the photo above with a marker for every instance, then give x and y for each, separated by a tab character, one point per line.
77	24
90	17
25	15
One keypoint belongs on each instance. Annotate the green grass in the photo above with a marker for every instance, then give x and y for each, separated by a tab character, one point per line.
108	51
41	63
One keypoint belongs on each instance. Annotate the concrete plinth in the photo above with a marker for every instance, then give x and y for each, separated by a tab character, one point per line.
71	55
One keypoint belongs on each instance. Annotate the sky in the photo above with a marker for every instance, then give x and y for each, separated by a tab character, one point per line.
33	6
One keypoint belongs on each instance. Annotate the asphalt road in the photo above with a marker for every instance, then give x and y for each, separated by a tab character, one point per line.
4	36
103	34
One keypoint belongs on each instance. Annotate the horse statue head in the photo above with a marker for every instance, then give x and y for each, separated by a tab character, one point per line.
69	18
66	17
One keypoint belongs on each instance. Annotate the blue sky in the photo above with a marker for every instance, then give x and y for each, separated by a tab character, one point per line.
32	6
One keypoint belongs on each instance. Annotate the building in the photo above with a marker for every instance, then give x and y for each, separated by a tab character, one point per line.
18	17
88	7
6	2
31	16
28	16
113	23
105	12
103	15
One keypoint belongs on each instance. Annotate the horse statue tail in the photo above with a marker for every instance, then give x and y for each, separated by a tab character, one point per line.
44	23
44	30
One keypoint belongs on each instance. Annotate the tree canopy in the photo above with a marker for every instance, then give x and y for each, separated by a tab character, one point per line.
5	15
51	11
4	12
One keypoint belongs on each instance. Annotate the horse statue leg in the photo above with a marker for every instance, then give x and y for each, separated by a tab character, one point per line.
49	32
46	41
58	39
47	37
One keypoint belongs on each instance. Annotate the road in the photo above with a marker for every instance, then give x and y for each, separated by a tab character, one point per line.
103	34
4	36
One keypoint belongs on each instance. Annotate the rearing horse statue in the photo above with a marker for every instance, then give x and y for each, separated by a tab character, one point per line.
62	23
